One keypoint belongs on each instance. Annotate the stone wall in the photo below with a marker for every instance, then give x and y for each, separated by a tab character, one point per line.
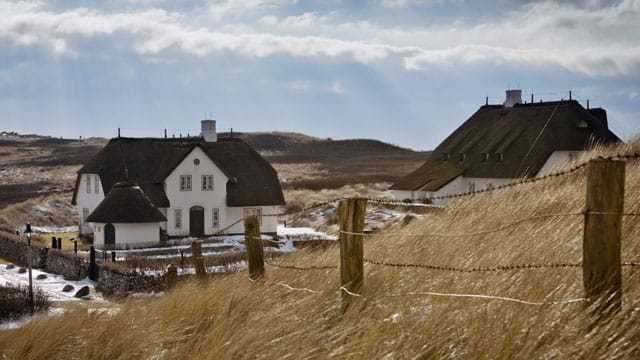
70	266
114	282
15	249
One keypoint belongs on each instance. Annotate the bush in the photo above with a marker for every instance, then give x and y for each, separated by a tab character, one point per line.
14	301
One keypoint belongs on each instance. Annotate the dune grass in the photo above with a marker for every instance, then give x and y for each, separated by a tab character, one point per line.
297	314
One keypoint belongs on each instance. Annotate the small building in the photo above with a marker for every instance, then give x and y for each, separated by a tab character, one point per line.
202	185
501	143
126	218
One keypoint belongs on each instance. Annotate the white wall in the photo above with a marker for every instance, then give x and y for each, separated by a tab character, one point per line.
88	200
558	160
184	200
129	235
456	186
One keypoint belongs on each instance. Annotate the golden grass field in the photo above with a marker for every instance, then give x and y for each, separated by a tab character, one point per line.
294	314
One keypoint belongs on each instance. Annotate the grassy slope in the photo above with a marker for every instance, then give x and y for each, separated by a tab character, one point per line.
296	314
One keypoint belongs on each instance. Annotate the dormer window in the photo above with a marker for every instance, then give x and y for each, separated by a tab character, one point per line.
498	157
445	156
484	157
460	157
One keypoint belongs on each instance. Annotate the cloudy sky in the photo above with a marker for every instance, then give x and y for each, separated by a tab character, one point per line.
407	72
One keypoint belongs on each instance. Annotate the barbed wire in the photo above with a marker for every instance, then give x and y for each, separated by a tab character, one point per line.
475	269
488	297
477	233
294	267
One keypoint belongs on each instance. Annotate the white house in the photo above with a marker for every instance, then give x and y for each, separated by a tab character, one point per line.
201	185
501	143
126	217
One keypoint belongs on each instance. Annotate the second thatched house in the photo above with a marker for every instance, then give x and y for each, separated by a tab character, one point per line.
500	143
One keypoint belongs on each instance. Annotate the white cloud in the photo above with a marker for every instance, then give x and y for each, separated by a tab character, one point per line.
401	3
594	39
337	88
219	9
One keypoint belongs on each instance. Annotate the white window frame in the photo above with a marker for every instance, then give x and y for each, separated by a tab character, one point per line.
185	183
246	212
215	218
97	184
207	182
85	214
177	218
87	179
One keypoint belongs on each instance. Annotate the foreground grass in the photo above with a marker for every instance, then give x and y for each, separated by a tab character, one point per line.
297	314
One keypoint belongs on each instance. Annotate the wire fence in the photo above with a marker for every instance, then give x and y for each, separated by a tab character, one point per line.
558	265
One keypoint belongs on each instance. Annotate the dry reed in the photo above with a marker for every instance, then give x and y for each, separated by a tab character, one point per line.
294	314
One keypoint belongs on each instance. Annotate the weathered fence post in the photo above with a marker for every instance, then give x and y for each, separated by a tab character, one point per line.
172	276
93	267
60	243
54	242
351	213
113	256
602	273
75	246
198	260
253	242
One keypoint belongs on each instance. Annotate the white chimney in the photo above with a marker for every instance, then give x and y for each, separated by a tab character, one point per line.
513	97
208	130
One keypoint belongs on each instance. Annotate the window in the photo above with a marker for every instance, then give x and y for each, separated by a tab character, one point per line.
87	179
97	183
445	156
207	182
178	218
253	211
85	214
185	182
498	157
460	156
484	157
215	215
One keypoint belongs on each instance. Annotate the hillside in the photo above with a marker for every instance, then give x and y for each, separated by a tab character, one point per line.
526	307
312	163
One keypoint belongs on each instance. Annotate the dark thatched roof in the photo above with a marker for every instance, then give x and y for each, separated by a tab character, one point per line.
126	203
252	180
517	140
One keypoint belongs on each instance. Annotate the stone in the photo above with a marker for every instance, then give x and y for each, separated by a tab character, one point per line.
10	266
67	288
22	270
41	277
84	291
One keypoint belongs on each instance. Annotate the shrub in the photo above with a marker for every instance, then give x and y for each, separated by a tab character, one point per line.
14	301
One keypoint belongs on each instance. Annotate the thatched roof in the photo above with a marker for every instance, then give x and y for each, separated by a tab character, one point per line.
252	180
126	203
517	140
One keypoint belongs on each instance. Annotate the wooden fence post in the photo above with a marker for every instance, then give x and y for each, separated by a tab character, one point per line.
172	276
601	268
351	213
198	260
93	267
253	242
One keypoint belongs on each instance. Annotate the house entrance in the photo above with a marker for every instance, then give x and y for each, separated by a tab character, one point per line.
109	236
196	221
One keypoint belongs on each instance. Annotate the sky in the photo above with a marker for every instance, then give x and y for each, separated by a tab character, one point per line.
406	72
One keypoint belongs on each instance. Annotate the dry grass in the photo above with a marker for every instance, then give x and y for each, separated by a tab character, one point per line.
296	314
48	210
